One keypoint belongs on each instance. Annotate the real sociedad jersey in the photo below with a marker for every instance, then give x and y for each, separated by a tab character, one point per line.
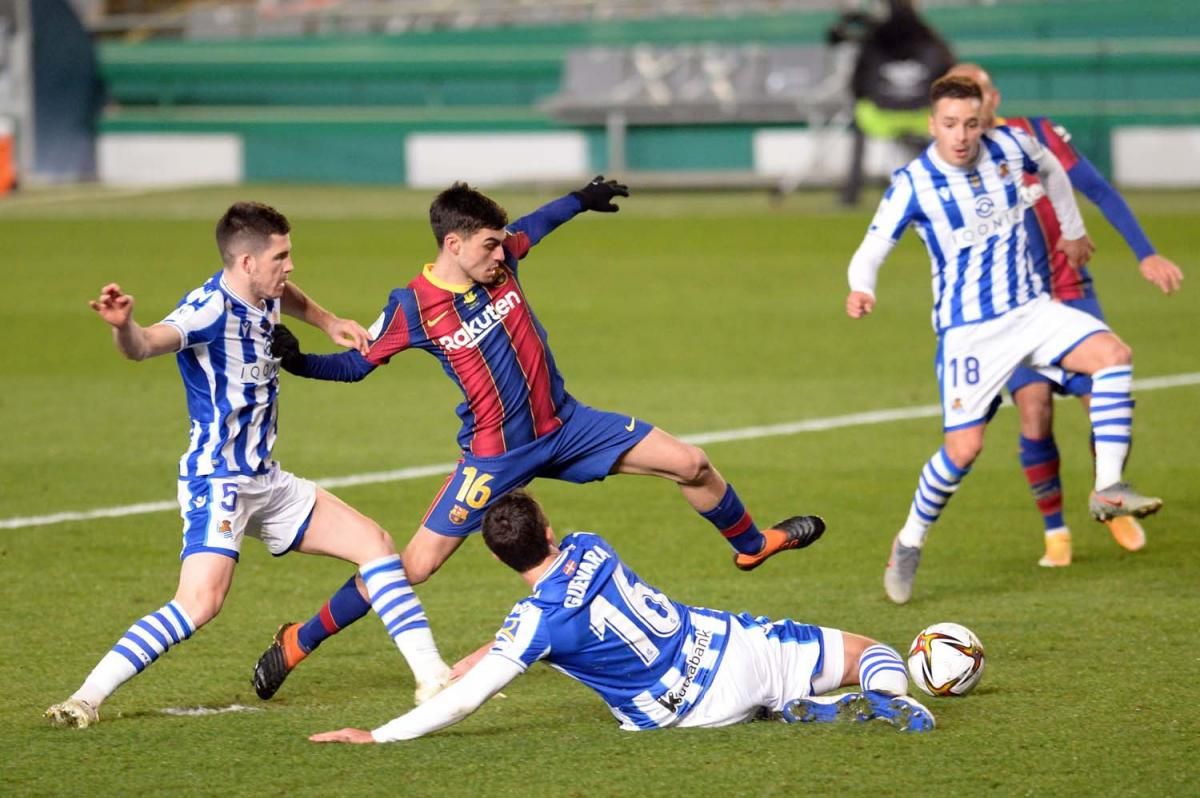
1043	225
590	616
488	341
231	380
972	221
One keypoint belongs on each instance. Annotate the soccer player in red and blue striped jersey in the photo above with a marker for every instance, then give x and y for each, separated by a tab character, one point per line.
1031	389
468	310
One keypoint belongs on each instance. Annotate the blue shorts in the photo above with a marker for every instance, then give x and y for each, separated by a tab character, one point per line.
1069	383
583	449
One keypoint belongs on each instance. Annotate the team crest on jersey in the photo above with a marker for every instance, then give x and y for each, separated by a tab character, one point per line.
226	530
470	297
458	514
957	405
501	280
1003	169
975	180
570	567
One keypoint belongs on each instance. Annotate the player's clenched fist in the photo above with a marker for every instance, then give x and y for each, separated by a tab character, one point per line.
859	304
113	306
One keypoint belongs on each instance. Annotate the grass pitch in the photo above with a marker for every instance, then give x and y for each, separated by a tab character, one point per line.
699	313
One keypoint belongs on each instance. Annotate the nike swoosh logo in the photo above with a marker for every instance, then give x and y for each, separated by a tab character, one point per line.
1111	502
629	426
436	318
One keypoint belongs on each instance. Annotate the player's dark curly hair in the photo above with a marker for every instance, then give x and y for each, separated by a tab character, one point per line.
514	528
954	87
248	225
464	210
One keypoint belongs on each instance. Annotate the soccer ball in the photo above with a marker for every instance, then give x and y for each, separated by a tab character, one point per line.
946	659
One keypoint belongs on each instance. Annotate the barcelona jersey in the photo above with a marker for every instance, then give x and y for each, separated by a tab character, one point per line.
487	339
1043	227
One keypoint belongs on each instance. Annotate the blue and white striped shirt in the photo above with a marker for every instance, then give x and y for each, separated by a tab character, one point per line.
651	659
231	380
972	221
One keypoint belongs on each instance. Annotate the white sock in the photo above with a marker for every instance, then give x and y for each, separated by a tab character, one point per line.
1111	414
144	642
881	670
939	480
401	612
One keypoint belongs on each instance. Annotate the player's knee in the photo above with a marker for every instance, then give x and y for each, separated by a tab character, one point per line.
1115	352
964	452
418	569
1123	353
377	542
201	604
696	467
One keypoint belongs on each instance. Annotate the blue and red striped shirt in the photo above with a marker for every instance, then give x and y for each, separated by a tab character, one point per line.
1067	283
487	339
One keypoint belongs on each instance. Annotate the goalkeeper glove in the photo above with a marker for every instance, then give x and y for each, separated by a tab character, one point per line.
285	347
598	194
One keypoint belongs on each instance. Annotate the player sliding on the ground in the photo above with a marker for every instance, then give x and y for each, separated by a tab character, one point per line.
229	486
655	662
468	310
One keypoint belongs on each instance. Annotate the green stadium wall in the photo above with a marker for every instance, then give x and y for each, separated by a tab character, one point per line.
343	109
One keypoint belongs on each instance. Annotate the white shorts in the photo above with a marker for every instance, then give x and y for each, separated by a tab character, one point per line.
975	361
217	512
764	669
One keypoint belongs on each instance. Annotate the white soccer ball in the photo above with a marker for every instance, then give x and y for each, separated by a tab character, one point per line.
946	659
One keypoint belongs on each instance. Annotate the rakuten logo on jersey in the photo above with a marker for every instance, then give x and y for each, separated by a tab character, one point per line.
472	332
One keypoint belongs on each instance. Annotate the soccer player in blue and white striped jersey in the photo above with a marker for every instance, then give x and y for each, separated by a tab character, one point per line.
229	486
992	309
1031	390
655	662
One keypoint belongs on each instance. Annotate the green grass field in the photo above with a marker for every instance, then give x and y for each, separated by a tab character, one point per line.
700	313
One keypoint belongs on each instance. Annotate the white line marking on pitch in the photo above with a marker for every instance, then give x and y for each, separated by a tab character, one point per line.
192	712
701	438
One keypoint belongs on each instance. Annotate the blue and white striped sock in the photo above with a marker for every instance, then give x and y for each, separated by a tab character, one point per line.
939	480
1111	414
145	642
401	612
880	669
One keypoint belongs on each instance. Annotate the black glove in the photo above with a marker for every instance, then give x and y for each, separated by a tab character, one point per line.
598	194
285	347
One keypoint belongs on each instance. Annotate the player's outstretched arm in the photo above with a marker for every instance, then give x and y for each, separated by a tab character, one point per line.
445	709
347	366
465	664
596	196
343	332
131	339
1162	272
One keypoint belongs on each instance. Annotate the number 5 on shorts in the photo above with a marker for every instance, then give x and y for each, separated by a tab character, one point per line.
474	491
